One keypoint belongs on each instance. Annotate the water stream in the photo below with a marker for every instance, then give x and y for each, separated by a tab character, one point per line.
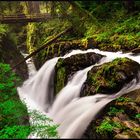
71	112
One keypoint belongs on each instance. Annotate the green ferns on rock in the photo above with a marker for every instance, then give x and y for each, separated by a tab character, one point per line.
107	126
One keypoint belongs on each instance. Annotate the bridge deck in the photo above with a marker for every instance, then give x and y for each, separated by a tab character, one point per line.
21	18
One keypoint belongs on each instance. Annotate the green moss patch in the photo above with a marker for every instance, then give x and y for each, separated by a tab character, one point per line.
111	77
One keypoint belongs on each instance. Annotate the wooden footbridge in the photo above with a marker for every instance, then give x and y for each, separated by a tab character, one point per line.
22	18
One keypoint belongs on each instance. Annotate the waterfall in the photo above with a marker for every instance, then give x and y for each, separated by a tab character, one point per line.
30	65
76	116
39	87
71	112
72	90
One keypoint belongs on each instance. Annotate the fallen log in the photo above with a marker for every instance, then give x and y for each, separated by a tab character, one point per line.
137	50
42	47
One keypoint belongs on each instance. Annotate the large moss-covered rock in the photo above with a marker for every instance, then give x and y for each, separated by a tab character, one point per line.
110	77
120	119
57	49
65	68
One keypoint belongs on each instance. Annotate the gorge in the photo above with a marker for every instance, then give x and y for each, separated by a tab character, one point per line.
70	69
71	112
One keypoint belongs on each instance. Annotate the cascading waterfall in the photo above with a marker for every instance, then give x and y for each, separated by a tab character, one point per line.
71	112
75	118
39	87
72	90
30	65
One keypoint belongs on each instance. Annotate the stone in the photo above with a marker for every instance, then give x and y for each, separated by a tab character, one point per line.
110	77
137	50
65	68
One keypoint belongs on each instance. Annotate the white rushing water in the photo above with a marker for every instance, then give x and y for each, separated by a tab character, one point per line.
72	113
30	65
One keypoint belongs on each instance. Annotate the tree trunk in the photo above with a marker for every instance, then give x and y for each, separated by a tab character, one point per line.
33	7
129	5
36	6
64	8
52	5
43	46
30	7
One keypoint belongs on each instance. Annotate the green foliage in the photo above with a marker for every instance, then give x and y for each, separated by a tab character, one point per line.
114	111
9	32
107	75
129	25
7	7
123	99
8	81
43	126
61	73
14	132
103	37
12	111
116	29
30	41
136	129
107	126
137	116
3	30
40	33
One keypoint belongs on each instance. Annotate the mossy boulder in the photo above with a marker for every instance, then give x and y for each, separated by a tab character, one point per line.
137	50
110	77
59	48
65	68
120	119
135	95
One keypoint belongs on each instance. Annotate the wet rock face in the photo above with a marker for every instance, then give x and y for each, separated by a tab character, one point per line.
57	49
11	55
110	77
108	45
65	68
137	50
118	120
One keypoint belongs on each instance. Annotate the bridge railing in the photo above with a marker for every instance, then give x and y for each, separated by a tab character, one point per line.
23	16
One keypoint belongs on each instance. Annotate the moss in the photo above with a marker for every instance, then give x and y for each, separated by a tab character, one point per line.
52	49
136	129
107	126
59	49
59	63
30	41
61	73
114	111
120	34
138	116
123	99
48	49
108	75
